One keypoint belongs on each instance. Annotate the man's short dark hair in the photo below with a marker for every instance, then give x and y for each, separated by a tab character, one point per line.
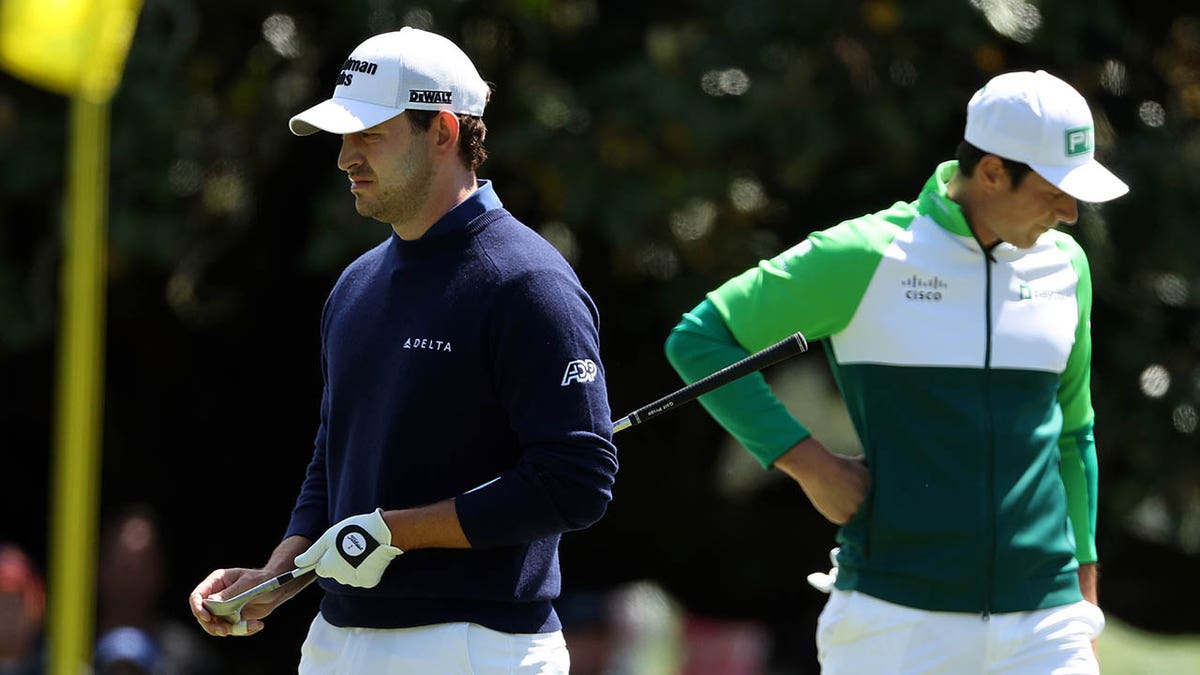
968	157
471	132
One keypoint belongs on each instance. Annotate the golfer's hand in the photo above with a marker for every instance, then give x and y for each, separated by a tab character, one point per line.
836	485
219	584
353	552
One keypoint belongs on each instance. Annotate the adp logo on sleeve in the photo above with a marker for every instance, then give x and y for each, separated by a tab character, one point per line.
580	370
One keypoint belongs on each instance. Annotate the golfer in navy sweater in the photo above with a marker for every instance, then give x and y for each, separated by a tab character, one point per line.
464	422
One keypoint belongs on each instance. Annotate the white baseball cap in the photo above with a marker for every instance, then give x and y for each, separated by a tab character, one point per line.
408	69
1037	119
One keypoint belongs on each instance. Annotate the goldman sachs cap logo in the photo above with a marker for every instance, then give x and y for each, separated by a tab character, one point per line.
353	66
924	289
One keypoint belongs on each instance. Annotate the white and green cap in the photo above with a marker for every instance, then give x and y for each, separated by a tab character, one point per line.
408	69
1037	119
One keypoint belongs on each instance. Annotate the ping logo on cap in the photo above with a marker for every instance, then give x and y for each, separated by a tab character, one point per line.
1079	141
430	96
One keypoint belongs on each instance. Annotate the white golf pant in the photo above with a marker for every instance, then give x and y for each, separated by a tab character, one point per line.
858	633
445	649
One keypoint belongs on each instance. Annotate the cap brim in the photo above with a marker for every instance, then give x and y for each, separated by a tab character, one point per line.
1089	182
340	116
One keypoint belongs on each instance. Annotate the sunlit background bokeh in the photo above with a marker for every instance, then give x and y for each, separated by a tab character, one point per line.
661	148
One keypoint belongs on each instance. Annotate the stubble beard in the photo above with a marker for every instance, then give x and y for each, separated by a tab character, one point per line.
401	202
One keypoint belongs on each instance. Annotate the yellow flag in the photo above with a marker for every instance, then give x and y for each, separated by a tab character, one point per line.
72	47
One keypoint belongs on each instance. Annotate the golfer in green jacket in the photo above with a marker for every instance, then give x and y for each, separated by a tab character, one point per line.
957	326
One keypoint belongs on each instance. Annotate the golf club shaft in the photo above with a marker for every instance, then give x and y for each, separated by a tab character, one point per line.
784	349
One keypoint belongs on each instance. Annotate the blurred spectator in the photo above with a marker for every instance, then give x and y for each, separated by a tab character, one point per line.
590	631
22	607
724	646
630	629
127	651
135	636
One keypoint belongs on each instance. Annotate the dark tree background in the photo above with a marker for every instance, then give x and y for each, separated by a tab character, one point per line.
662	147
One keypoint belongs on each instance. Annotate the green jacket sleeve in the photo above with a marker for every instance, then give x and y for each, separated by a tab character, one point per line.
701	344
1077	444
1080	475
813	287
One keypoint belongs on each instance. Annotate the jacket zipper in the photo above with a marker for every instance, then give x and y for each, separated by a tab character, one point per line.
989	464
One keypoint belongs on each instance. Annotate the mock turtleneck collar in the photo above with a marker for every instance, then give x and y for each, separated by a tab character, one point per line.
457	219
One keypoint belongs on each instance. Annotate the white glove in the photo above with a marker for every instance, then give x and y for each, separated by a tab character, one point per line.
824	582
354	552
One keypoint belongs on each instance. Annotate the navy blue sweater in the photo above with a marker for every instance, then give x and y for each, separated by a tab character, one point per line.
467	355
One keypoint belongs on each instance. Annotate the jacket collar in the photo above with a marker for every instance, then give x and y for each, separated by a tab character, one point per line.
936	203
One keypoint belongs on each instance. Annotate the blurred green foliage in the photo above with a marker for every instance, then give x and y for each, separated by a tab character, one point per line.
663	147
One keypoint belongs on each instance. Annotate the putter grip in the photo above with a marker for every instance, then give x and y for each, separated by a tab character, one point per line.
784	349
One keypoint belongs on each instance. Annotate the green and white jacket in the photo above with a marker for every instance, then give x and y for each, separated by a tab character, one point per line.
967	379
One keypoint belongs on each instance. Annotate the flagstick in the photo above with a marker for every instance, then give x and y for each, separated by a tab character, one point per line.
72	586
